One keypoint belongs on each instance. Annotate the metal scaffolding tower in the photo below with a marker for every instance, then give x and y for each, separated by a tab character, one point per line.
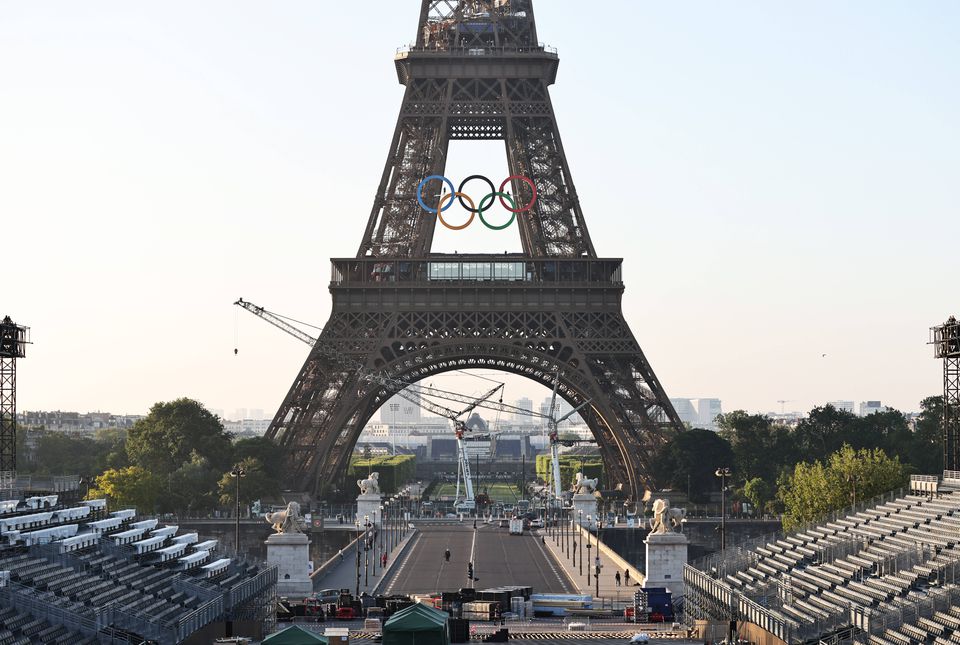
13	343
946	341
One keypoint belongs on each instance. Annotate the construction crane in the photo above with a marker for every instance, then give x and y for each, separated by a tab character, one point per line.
468	503
420	395
392	385
277	321
554	434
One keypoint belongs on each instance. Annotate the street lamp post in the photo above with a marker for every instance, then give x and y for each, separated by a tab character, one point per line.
589	546
366	550
359	539
238	473
723	473
383	527
579	530
596	573
386	525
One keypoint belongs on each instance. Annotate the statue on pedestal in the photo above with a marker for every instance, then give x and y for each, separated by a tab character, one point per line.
370	485
666	519
584	486
287	521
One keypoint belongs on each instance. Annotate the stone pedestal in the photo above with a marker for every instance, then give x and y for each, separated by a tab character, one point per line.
291	553
588	504
666	555
368	505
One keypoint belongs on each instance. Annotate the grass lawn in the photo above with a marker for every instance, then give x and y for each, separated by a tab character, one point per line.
499	491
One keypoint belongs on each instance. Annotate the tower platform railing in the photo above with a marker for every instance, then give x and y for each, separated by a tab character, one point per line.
489	268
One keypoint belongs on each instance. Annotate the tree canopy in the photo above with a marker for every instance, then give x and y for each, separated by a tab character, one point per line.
846	477
167	437
690	460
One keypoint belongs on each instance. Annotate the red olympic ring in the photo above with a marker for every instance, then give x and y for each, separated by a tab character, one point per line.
525	180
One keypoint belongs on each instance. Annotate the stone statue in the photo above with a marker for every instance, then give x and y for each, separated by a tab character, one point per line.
665	518
584	486
370	485
288	521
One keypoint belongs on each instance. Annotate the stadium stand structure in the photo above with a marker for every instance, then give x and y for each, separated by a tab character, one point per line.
886	572
77	573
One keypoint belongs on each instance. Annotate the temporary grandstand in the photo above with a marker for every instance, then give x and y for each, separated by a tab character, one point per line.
885	572
78	573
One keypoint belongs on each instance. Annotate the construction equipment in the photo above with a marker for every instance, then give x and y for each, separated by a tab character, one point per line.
391	385
554	435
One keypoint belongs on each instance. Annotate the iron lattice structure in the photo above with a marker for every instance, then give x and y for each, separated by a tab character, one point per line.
13	342
476	71
946	342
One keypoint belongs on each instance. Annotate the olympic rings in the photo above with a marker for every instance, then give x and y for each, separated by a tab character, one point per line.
526	180
420	193
468	180
491	197
473	208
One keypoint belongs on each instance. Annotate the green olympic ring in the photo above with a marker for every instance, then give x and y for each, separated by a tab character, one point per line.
491	197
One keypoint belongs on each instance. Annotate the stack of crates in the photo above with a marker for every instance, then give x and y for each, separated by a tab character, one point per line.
481	610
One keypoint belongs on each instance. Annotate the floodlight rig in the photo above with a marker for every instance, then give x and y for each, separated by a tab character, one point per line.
945	339
14	339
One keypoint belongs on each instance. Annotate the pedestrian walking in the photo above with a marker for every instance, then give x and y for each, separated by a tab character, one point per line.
383	560
446	555
617	578
341	555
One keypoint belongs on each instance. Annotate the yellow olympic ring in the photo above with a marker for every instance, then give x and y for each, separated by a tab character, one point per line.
452	196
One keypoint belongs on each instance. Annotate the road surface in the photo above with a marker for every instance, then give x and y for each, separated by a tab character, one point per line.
499	559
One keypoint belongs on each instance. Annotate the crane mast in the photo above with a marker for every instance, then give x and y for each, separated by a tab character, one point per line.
408	390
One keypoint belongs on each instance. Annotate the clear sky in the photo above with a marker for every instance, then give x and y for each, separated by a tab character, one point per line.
780	177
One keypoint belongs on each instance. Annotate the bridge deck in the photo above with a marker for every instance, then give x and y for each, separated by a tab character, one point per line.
499	558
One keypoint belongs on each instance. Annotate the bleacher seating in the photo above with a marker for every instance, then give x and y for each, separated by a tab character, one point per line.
886	560
55	575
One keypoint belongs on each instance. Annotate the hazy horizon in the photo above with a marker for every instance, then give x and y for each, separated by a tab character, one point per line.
777	178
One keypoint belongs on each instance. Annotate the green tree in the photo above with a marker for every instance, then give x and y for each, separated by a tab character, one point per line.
761	448
690	459
925	451
129	487
59	453
167	437
758	492
255	484
825	430
269	454
192	487
846	477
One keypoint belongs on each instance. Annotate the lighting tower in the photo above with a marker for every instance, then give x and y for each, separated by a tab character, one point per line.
13	343
946	341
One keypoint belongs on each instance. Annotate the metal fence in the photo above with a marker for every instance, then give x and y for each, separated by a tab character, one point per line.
742	556
873	622
25	599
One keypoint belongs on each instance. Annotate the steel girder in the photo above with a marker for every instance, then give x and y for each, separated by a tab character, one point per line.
502	94
598	358
951	413
476	72
8	415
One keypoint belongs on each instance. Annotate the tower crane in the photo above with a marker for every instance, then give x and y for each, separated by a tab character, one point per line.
554	434
460	429
392	385
418	395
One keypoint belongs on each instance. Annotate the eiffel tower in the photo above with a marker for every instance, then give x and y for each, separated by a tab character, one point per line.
476	72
